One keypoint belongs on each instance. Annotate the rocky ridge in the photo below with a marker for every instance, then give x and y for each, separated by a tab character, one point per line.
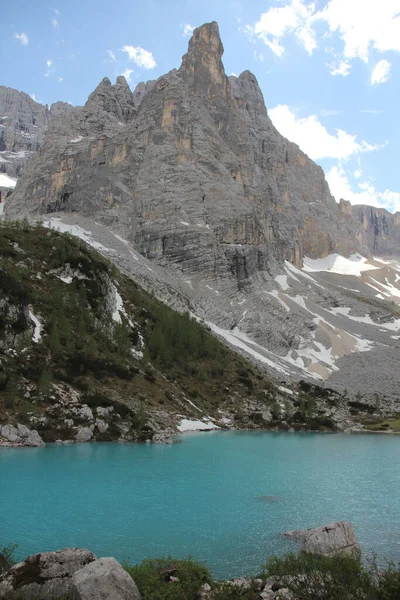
249	197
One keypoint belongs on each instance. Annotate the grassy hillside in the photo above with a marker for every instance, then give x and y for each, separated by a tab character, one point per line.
62	337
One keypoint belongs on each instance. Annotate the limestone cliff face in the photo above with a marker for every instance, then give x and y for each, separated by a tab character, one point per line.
23	126
191	170
381	229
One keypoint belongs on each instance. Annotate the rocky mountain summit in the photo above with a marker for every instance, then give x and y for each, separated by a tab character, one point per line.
187	187
196	175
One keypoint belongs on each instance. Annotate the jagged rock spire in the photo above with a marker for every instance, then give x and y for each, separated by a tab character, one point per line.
202	65
116	99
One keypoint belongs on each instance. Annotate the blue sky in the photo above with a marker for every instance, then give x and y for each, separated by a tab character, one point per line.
329	69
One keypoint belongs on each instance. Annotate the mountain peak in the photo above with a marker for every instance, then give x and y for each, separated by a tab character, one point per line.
202	65
206	39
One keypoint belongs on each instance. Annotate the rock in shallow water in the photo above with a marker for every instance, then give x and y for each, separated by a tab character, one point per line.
328	540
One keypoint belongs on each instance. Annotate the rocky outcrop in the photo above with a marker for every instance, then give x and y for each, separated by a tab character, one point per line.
196	176
19	435
329	540
23	126
70	573
381	229
47	575
103	579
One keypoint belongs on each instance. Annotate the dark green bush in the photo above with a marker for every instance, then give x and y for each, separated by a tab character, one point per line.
311	577
152	577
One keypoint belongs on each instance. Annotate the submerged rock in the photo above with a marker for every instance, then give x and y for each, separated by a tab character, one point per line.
328	540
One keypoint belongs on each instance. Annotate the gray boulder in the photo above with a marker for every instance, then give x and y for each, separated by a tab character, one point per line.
101	425
104	579
23	430
10	433
86	412
33	439
328	540
44	576
84	434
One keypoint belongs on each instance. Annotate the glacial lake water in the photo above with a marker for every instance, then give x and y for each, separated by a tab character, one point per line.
225	498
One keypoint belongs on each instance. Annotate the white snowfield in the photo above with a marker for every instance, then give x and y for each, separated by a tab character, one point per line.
7	182
334	263
37	332
83	234
189	425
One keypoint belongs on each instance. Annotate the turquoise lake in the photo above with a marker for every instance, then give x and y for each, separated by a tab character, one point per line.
224	498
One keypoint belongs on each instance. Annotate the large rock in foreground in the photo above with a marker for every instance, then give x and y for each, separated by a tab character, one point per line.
72	573
47	575
103	579
329	540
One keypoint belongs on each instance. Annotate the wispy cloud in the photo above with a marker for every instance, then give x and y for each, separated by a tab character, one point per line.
140	56
339	67
127	74
60	79
327	112
112	56
49	65
22	37
371	111
381	72
188	29
54	23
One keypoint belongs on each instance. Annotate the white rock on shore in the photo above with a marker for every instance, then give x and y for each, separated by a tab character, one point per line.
20	435
328	540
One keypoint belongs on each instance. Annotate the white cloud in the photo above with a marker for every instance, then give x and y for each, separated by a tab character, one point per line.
327	112
141	58
234	74
111	55
22	37
188	29
357	173
363	26
49	64
371	111
57	12
127	74
381	72
277	22
258	56
313	138
59	79
54	23
339	67
33	97
367	194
